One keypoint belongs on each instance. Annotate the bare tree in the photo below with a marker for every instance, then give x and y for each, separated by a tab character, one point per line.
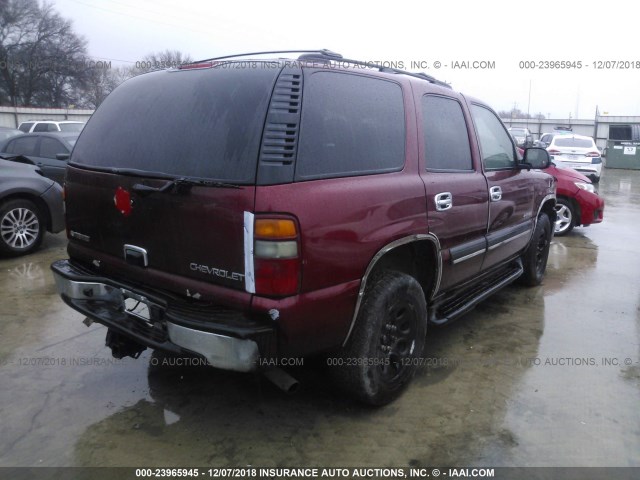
42	61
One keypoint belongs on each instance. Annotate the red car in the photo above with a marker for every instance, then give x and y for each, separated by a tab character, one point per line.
577	201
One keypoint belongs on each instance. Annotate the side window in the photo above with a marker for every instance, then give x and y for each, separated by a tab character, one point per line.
25	127
446	139
41	127
50	147
52	127
24	146
350	125
495	143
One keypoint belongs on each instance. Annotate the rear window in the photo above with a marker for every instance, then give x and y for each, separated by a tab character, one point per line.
573	142
197	123
517	131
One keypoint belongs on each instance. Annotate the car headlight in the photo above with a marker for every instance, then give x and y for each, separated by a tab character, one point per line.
585	186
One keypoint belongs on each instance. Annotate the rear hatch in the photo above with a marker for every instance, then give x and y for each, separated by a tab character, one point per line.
573	150
163	172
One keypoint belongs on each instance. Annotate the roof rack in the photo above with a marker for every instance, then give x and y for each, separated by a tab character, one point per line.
325	55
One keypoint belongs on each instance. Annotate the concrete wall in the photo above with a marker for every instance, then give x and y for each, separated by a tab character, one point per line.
12	117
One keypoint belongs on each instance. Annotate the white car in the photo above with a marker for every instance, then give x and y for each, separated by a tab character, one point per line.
31	126
577	152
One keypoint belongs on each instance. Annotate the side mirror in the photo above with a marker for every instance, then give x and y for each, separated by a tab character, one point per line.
62	156
537	158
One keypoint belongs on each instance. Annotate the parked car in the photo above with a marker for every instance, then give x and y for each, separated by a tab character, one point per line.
263	220
49	151
578	203
578	152
29	205
522	136
8	133
51	126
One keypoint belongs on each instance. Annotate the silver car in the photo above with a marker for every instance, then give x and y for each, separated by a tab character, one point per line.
29	205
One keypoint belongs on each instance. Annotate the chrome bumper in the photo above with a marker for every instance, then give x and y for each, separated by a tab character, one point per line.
221	351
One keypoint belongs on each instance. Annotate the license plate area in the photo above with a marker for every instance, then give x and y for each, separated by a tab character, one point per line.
137	306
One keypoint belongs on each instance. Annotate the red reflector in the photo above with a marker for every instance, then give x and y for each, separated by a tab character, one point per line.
277	277
191	66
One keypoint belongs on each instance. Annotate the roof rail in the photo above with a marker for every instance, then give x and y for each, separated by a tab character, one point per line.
325	55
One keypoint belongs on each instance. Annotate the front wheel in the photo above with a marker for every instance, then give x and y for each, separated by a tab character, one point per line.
565	217
381	356
21	227
535	257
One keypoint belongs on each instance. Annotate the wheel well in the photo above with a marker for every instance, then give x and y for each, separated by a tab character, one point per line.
417	259
549	207
42	206
576	209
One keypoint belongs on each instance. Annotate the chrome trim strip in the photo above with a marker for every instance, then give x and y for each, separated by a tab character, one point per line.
467	257
249	273
224	352
510	239
402	241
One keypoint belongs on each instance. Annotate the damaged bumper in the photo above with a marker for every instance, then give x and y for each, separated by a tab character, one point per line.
227	339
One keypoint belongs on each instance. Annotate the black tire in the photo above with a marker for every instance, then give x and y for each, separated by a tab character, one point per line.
380	358
565	217
21	227
535	258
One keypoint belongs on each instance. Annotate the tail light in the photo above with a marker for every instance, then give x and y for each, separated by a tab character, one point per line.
592	154
276	256
554	152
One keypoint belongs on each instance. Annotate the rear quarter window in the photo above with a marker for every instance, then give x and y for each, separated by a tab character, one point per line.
351	125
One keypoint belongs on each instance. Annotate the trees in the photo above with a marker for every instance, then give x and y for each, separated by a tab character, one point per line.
42	62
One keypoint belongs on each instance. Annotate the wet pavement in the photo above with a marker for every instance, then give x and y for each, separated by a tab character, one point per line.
545	376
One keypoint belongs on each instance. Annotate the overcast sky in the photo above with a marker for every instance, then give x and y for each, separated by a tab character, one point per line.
506	33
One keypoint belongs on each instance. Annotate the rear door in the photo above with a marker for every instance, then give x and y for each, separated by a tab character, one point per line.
511	192
47	161
457	198
123	200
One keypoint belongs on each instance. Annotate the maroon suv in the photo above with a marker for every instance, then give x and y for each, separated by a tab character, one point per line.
250	210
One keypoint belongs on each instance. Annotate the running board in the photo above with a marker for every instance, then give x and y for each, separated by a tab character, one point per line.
460	305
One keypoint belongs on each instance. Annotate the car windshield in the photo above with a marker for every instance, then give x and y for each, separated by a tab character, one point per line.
71	127
574	142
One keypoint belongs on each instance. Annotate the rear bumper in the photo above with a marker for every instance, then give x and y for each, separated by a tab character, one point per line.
226	339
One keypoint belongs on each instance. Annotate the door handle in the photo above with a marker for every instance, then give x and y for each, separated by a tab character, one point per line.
444	201
496	194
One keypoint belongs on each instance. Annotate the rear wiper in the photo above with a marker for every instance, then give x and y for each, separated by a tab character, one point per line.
180	185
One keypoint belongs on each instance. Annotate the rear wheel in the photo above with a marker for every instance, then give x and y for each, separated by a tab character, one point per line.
21	227
535	258
380	358
565	217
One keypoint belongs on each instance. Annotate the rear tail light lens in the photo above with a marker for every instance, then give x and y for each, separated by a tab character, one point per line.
592	154
554	152
276	257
